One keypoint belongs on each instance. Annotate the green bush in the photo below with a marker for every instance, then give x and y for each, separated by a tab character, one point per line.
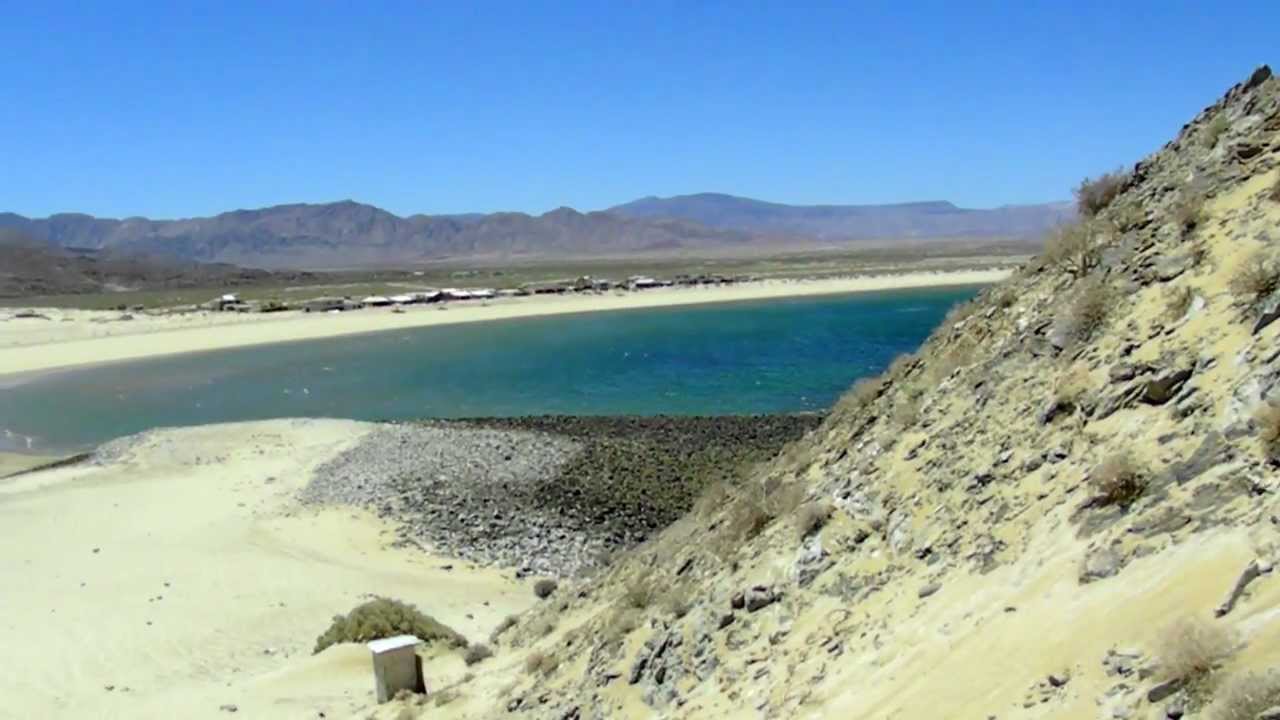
383	618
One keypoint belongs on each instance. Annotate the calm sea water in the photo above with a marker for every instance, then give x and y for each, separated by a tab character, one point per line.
751	357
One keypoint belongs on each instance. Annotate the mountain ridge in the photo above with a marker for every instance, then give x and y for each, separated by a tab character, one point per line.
929	218
348	233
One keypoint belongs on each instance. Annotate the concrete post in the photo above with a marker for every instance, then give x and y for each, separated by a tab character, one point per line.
396	666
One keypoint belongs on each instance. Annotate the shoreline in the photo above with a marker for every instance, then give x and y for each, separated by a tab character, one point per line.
85	338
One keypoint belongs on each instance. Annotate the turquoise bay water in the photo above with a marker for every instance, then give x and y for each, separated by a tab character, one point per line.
770	356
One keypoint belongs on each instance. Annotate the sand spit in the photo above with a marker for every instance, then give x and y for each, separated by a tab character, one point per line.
69	338
177	574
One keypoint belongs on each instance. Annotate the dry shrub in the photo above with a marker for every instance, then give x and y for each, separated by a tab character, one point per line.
476	653
622	623
906	412
1072	247
811	516
1095	194
1089	310
1275	190
900	366
1118	480
861	395
1071	387
545	628
641	591
1246	696
1257	278
1191	651
751	510
677	601
1190	212
1177	302
507	623
383	618
540	663
1214	130
1267	420
544	587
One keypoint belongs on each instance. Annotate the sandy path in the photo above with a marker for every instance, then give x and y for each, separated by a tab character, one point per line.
70	337
183	577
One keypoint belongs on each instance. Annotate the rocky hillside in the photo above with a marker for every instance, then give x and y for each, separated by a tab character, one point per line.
29	267
852	222
1065	505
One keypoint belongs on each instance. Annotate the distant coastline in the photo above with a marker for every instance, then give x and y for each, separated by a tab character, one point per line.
75	338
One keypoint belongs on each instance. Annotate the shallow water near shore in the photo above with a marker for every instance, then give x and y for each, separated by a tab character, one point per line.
788	355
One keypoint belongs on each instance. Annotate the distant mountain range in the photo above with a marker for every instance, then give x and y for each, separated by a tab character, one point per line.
350	234
935	219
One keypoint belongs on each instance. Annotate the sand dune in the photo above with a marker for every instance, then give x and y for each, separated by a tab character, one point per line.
182	576
78	337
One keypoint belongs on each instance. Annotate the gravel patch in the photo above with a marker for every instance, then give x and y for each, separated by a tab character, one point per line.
546	495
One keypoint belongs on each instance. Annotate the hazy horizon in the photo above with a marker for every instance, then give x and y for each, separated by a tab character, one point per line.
171	112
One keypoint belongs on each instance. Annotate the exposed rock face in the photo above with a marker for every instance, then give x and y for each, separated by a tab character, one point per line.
981	556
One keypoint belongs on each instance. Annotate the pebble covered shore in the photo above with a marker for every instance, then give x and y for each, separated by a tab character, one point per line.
546	495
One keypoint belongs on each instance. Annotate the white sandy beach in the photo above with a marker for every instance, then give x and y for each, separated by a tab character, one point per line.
70	338
183	578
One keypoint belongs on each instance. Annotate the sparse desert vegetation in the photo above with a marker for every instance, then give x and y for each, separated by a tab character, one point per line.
538	662
1257	278
811	516
476	653
1214	130
544	587
1088	311
1093	195
1073	248
1267	420
1246	696
1118	480
1177	302
383	618
1191	652
1190	212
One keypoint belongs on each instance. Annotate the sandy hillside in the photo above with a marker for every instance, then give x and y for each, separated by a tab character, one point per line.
66	338
181	577
1065	505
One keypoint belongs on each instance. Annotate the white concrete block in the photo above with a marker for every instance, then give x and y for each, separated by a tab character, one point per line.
396	666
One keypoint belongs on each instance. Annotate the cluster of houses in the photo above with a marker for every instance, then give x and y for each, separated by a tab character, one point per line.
233	303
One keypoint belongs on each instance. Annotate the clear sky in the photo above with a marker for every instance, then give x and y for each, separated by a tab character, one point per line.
179	109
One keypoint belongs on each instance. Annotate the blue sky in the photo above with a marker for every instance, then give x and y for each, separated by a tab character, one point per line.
182	109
